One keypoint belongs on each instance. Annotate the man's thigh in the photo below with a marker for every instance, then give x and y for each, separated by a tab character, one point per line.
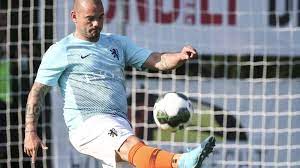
100	136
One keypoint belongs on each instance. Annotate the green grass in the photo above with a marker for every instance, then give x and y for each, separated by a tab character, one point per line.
4	80
203	120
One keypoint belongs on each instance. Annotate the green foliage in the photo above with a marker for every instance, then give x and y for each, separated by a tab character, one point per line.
4	81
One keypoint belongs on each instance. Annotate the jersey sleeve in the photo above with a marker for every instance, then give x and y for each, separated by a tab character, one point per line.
135	55
53	63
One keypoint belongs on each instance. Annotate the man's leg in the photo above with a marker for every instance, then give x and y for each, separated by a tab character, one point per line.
140	155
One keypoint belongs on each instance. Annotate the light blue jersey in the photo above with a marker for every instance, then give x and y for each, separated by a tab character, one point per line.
91	75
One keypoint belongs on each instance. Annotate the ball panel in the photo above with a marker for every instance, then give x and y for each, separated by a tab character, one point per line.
182	116
162	117
182	96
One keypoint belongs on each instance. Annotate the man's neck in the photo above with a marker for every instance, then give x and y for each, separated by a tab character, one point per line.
81	37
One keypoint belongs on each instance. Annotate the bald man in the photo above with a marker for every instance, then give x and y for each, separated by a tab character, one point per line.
88	66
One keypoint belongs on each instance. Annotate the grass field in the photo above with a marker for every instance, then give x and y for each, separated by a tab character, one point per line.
192	132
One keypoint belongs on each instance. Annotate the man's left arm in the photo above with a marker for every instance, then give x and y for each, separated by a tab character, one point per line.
169	61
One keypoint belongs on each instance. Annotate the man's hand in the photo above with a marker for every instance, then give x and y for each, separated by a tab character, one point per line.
32	143
188	52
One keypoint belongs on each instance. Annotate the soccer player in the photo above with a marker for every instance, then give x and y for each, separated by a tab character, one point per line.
89	66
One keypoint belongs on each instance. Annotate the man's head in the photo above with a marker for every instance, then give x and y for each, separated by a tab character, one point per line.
88	16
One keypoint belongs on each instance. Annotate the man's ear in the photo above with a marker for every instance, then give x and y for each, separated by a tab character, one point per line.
73	16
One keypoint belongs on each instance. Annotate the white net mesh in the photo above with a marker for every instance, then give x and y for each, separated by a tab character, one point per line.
245	86
25	34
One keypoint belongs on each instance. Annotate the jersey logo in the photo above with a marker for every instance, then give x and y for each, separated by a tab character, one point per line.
113	132
84	56
115	53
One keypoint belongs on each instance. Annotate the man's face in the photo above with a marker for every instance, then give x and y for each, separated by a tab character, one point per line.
88	18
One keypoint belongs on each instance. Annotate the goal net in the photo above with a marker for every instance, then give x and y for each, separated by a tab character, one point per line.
244	86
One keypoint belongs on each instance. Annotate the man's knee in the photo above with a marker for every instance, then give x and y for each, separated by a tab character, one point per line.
123	151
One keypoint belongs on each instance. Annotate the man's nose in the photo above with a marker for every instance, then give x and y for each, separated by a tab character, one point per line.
95	23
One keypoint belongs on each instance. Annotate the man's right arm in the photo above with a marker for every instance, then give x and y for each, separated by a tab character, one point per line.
169	61
34	105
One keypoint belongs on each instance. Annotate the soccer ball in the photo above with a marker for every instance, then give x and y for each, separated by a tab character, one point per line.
172	111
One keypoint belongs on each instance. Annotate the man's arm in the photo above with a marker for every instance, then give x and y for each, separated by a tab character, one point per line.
34	105
169	61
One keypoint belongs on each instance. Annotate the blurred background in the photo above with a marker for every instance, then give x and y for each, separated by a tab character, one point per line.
245	87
